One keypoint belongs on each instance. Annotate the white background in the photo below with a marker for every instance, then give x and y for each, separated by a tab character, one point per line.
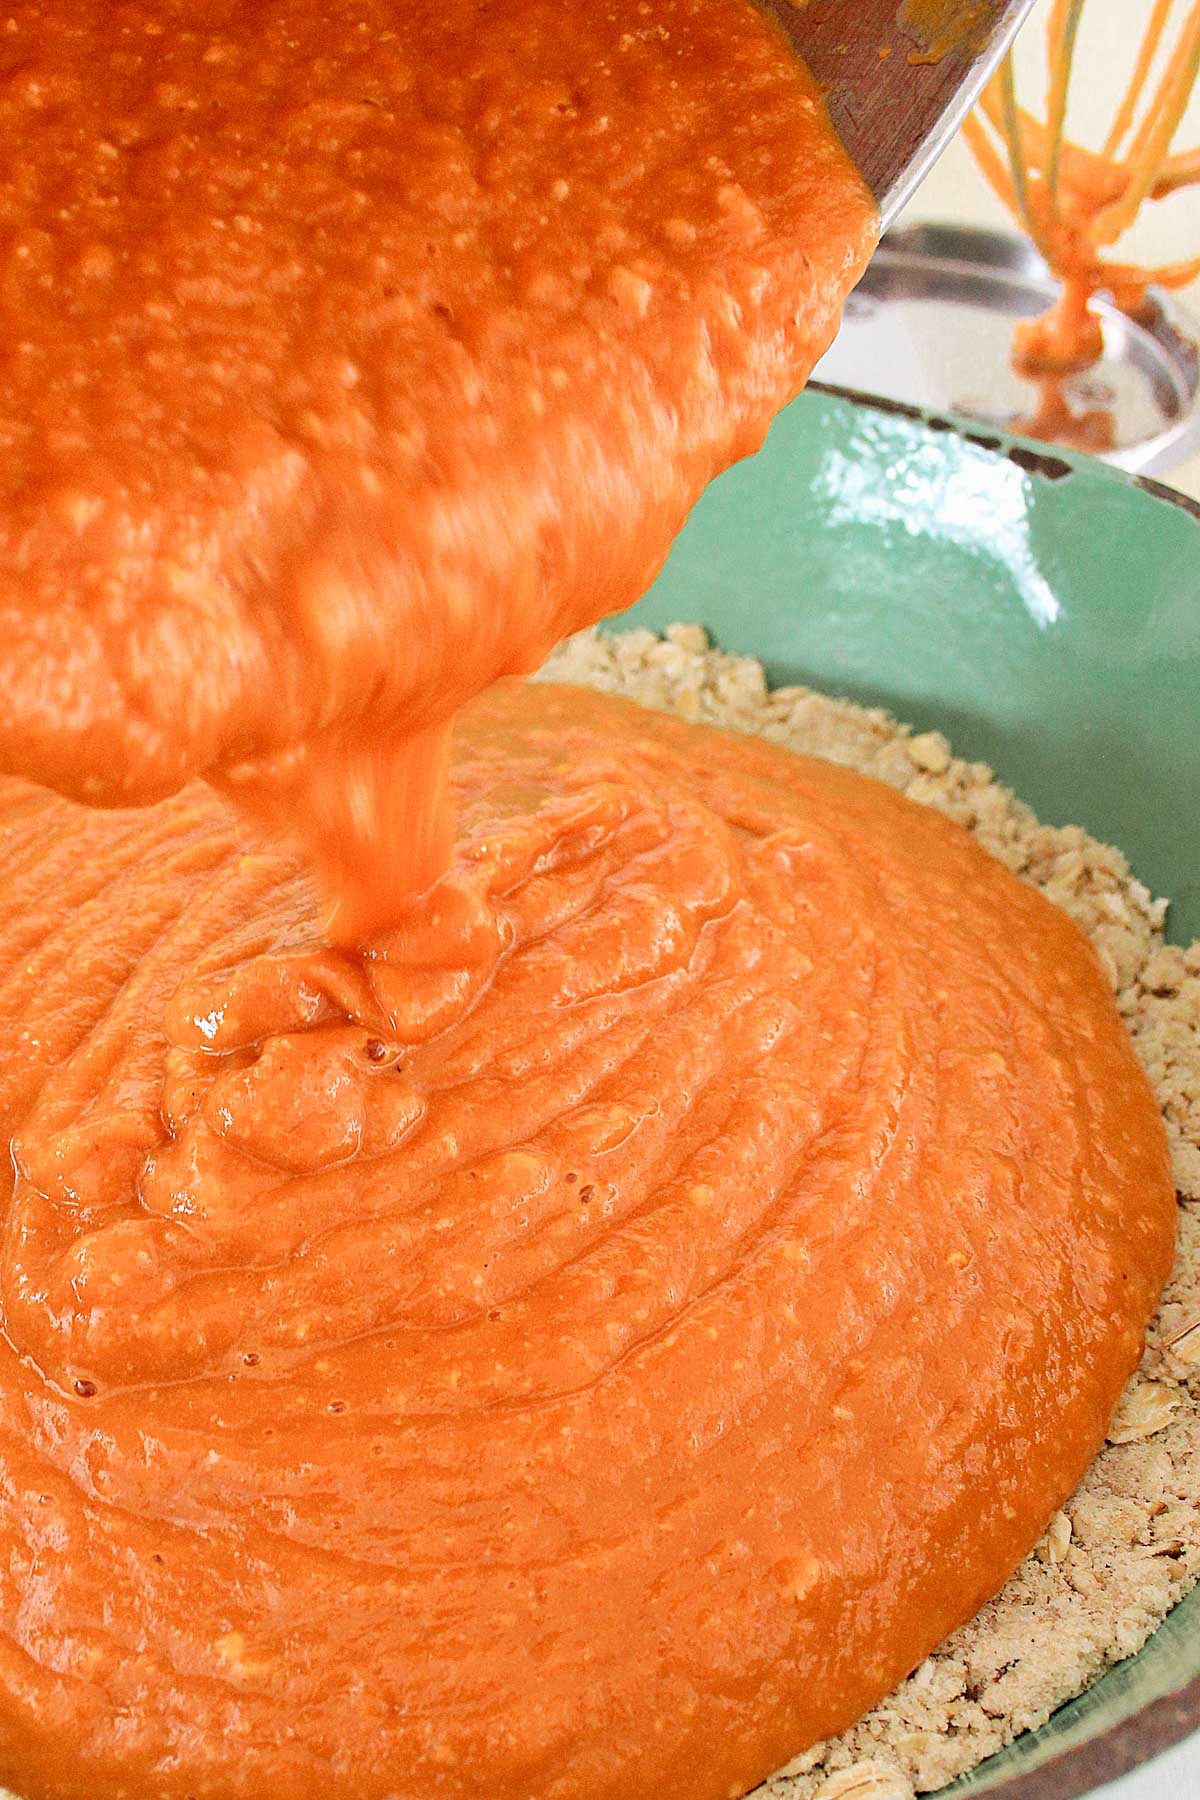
1167	231
1175	1775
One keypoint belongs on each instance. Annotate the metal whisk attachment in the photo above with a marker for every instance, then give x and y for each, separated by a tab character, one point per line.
1076	202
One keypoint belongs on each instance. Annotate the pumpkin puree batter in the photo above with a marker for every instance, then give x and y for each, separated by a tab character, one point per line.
593	1337
354	354
591	1345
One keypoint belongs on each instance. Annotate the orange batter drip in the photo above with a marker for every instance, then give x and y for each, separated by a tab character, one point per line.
593	1338
1075	203
1056	421
591	1345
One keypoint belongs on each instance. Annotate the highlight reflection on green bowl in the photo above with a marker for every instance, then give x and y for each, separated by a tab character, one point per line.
1043	611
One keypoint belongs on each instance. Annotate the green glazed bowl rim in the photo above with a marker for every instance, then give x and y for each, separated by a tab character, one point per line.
1035	459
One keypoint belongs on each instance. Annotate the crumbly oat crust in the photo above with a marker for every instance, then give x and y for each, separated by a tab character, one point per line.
1127	1545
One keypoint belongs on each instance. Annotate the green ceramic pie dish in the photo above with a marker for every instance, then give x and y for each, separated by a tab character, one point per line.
1043	610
